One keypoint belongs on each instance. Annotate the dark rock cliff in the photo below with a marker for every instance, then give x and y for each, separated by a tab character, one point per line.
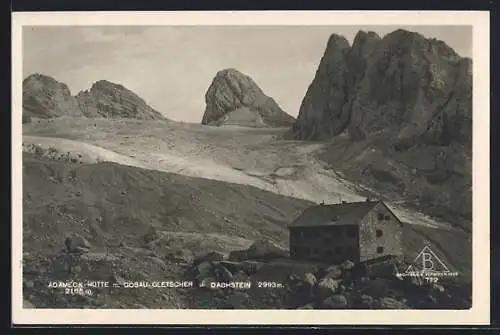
407	96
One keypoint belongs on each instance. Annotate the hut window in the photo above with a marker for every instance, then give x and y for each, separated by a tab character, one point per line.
380	216
387	217
380	250
378	232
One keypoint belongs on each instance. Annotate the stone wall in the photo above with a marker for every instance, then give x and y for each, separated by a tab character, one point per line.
380	237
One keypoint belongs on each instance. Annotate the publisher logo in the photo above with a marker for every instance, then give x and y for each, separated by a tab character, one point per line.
427	264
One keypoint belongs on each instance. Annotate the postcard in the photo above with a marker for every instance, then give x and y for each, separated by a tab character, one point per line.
288	168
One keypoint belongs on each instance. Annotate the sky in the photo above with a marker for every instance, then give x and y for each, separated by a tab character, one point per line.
171	67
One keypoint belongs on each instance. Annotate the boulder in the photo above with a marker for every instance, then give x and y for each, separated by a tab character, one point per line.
334	272
302	286
77	244
438	288
306	279
325	288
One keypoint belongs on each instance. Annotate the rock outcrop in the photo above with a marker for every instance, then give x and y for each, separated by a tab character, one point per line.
340	286
417	88
44	97
405	103
106	99
234	98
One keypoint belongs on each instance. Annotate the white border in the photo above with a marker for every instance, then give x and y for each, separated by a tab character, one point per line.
478	314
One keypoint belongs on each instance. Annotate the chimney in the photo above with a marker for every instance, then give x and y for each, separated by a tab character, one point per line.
344	202
368	199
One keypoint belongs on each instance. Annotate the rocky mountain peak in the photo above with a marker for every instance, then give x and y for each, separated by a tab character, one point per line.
106	85
107	99
234	98
381	84
45	97
336	42
38	77
364	43
411	95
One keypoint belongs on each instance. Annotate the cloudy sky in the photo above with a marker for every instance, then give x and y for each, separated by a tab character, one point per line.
172	67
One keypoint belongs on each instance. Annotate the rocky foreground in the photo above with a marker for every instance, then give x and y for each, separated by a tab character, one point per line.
258	277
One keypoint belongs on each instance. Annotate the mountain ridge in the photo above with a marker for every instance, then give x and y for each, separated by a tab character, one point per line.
45	97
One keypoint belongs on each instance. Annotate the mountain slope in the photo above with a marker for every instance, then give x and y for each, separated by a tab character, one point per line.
122	202
120	210
242	155
44	97
234	98
402	106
